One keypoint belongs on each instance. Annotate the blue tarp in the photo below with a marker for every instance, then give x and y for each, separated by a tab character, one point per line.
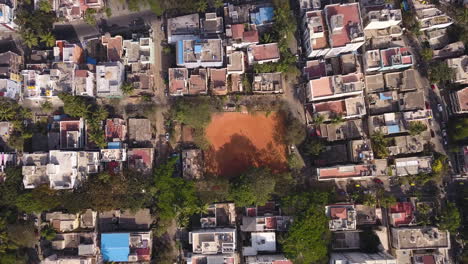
91	60
264	15
393	129
384	96
180	52
115	246
114	145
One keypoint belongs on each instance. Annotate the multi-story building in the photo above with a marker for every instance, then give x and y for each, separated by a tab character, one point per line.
200	53
459	101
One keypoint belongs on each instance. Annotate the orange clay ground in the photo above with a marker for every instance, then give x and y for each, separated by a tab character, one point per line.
240	141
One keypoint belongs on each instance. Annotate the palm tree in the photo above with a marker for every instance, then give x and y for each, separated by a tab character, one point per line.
201	6
462	17
7	113
30	39
48	39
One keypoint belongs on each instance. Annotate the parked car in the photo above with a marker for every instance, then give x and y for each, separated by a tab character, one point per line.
432	133
444	132
439	106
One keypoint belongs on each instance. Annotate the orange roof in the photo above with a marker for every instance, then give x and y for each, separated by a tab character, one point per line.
332	106
114	47
322	87
463	99
350	14
265	52
350	171
338	213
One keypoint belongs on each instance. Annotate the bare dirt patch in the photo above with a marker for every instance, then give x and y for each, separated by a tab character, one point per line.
241	141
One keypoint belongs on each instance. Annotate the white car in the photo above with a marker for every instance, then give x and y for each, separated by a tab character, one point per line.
439	106
444	133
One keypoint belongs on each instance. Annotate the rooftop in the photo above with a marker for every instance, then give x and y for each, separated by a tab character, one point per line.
345	172
114	47
335	86
411	101
401	214
462	100
375	83
367	215
262	15
260	242
342	217
346	130
211	24
183	27
117	220
388	123
344	24
420	238
198	82
141	159
196	53
192	163
383	102
178	81
413	165
404	81
139	129
263	52
406	145
218	81
62	169
219	240
244	34
116	129
219	215
109	78
317	30
236	63
315	69
267	83
460	68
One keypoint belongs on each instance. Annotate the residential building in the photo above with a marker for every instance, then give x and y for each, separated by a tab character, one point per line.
67	52
419	238
213	241
141	77
262	15
269	223
68	9
361	258
116	129
461	161
401	214
347	108
96	4
141	159
82	246
72	134
237	14
47	83
360	151
192	164
236	82
316	69
211	24
315	34
383	102
183	28
412	101
218	81
198	82
7	17
114	47
375	83
7	160
219	215
345	172
413	165
178	81
260	243
117	153
387	59
388	123
89	162
345	240
343	217
331	87
63	222
88	219
242	35
84	83
345	32
429	17
349	129
137	51
200	53
267	83
380	16
236	62
62	169
109	78
34	169
460	68
10	89
407	144
139	130
403	81
451	50
11	65
126	246
127	220
367	215
267	259
459	101
259	54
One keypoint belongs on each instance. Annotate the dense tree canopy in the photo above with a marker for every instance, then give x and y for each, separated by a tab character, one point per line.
254	187
450	218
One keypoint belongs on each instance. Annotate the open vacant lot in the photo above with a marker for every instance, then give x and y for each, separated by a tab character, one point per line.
240	141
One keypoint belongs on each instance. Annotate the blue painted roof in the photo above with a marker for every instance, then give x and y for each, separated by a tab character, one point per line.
197	48
384	96
114	145
264	14
115	246
180	52
91	60
393	129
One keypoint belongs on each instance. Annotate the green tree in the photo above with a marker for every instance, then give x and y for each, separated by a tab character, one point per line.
134	5
380	144
48	39
48	233
337	118
108	12
416	127
254	187
462	16
47	107
295	128
427	54
267	38
318	119
218	4
127	88
313	147
458	128
30	39
90	16
7	111
45	6
201	6
440	72
450	218
38	200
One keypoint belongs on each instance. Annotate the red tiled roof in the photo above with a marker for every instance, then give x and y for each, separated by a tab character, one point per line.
402	213
463	99
315	69
237	31
350	14
114	47
270	222
338	213
143	254
265	52
322	87
252	212
81	73
428	259
143	154
351	171
251	36
114	130
332	106
75	11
